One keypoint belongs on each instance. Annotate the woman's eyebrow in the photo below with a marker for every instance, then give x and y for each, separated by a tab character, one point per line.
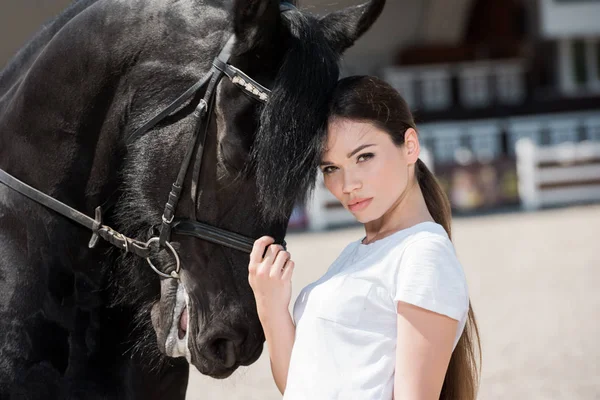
353	152
359	148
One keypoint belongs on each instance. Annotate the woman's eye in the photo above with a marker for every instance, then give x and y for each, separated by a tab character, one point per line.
364	157
328	170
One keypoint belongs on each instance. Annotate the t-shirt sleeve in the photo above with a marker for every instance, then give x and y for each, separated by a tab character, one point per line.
431	277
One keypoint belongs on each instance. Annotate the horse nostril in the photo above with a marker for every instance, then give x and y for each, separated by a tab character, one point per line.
222	350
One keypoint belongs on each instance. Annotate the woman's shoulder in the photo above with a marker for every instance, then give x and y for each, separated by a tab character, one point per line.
427	230
423	235
430	251
425	244
431	242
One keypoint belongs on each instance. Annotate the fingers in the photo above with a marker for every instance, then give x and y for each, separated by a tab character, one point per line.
279	264
258	250
288	270
271	255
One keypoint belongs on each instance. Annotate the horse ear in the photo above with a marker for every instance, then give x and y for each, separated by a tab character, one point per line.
255	22
342	28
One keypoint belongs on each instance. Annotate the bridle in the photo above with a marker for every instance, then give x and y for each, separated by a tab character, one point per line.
189	227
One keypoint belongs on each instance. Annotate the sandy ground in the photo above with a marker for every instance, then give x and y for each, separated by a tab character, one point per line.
534	280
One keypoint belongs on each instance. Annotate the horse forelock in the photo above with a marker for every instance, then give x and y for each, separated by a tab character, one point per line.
288	144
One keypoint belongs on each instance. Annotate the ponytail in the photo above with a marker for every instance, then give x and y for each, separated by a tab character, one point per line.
462	376
435	198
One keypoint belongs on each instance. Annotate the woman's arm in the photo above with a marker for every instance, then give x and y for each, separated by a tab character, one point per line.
279	333
424	347
269	275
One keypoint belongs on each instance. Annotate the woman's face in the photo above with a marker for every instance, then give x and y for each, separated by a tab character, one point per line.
364	169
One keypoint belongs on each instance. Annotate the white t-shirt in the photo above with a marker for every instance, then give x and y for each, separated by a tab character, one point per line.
345	346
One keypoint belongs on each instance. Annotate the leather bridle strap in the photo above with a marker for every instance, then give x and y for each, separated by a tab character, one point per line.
95	225
213	235
201	110
172	107
243	81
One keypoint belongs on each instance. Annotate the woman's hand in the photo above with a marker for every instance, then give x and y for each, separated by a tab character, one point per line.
270	277
269	274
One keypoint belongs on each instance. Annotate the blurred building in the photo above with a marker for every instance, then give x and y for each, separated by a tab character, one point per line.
482	74
478	74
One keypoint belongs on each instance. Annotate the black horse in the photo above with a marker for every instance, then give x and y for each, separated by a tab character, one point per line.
84	323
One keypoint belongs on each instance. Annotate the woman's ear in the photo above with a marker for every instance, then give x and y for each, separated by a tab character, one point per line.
411	144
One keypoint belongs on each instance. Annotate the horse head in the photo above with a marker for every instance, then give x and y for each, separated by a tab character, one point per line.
258	159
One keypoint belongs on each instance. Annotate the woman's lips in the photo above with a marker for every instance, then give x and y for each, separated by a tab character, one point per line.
359	205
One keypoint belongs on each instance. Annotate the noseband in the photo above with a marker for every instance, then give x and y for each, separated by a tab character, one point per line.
189	227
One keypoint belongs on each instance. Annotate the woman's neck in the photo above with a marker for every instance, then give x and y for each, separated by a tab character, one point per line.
409	210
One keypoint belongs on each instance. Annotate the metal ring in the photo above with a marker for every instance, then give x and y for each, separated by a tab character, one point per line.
174	274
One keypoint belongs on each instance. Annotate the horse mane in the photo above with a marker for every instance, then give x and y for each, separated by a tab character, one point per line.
287	146
26	56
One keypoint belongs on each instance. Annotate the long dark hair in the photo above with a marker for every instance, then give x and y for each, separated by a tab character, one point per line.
369	99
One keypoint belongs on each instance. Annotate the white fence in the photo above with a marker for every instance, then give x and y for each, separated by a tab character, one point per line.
561	174
324	210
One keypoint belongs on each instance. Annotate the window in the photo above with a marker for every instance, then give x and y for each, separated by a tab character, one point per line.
597	48
475	91
563	131
404	82
445	148
593	129
509	83
475	86
435	89
486	147
579	62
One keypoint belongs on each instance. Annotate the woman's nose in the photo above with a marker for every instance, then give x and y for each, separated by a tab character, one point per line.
351	182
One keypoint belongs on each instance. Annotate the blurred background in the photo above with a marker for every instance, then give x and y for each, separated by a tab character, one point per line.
506	95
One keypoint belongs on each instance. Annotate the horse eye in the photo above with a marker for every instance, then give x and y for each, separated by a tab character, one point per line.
233	158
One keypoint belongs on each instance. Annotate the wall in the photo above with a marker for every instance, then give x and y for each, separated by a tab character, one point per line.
562	18
403	22
20	19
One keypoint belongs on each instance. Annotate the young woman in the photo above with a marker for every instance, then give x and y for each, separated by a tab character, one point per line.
391	317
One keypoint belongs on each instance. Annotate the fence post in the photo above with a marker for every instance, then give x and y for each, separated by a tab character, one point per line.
526	173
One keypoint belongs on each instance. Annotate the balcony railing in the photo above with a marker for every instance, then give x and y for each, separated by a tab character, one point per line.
479	84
